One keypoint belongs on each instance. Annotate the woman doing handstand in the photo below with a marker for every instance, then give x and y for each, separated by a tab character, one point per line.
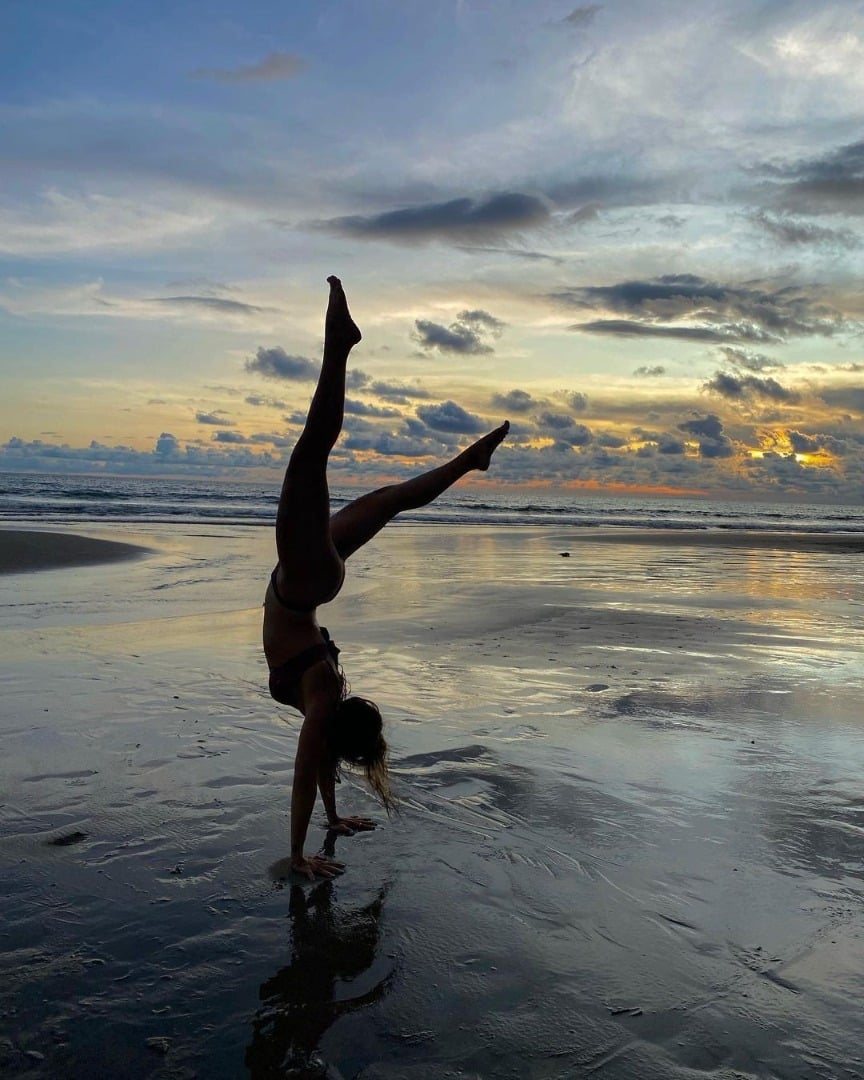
312	548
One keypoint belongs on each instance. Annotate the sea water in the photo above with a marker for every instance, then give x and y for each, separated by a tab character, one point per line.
137	500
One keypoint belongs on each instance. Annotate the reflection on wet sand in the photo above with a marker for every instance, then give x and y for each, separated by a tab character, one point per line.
333	970
630	846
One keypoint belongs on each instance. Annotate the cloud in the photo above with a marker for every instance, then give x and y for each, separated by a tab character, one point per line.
275	66
208	303
275	363
650	372
710	426
399	393
465	335
51	222
607	439
751	361
805	444
140	174
389	444
741	387
586	213
360	408
355	379
556	421
581	17
215	419
167	445
692	308
168	457
696	457
578	435
453	220
668	444
478	317
716	448
845	397
577	401
271	439
831	183
233	437
612	189
448	416
713	443
518	401
791	233
631	328
262	401
513	252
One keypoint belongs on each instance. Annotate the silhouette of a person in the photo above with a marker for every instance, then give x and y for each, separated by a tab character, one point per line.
312	547
330	947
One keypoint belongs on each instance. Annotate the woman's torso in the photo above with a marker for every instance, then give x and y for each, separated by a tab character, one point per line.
287	632
301	662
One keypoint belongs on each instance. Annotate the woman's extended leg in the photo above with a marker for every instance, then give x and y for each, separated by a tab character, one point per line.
359	521
310	567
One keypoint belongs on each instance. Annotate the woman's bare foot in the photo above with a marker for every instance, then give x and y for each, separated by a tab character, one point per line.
480	453
340	330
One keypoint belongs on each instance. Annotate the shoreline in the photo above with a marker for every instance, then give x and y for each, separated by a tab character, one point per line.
30	550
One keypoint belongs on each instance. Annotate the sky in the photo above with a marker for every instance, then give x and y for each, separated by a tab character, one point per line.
634	230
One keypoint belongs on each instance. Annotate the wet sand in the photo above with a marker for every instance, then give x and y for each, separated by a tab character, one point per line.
631	841
31	549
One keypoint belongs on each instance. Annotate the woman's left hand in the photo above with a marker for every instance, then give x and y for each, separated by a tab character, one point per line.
347	826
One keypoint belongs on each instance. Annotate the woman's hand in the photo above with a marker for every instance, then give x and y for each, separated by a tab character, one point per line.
320	865
347	826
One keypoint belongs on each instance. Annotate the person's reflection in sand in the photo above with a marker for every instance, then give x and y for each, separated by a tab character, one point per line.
332	971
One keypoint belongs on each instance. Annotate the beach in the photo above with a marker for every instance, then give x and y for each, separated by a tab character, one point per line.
630	844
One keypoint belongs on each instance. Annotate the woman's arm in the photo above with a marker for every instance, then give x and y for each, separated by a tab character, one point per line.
327	787
310	753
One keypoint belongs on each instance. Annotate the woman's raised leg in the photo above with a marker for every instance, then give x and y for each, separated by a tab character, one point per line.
310	567
355	524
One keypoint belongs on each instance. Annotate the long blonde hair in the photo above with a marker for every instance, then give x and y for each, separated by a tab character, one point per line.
355	737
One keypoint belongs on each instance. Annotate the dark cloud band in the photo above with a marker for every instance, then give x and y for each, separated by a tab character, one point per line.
455	219
275	363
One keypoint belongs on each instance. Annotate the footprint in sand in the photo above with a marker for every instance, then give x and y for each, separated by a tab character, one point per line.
596	687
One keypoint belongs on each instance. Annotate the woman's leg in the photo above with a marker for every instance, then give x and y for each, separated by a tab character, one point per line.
359	521
310	568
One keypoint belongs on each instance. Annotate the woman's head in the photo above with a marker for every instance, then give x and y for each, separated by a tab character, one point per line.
355	736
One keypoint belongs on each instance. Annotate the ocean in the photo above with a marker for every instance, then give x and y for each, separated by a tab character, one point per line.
40	498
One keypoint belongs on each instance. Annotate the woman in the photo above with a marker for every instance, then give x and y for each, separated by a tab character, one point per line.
312	547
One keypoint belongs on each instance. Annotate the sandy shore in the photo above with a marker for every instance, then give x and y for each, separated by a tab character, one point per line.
31	549
630	842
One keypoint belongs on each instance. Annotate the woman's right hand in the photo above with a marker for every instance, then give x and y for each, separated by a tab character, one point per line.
320	865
